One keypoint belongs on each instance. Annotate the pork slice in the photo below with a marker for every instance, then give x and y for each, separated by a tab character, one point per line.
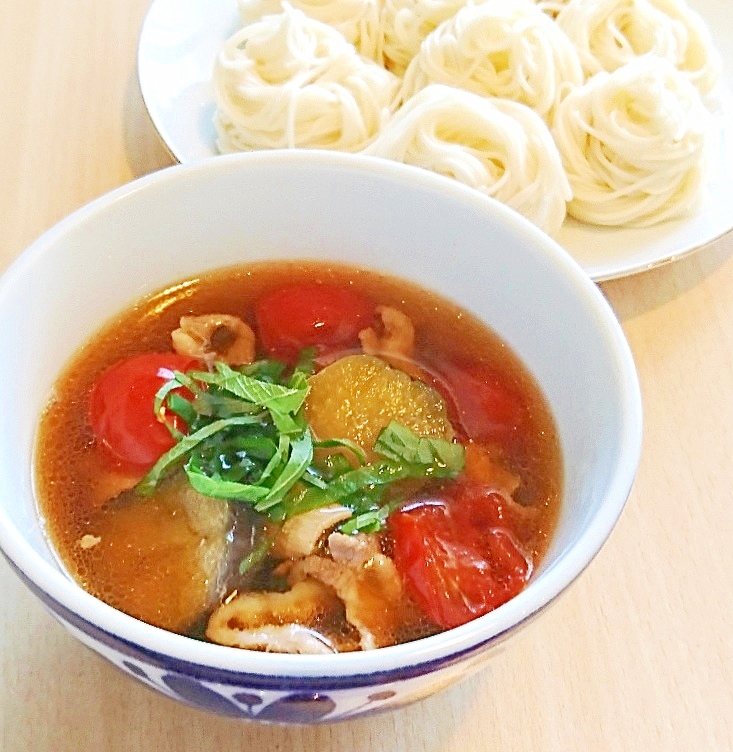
289	622
368	584
285	638
300	535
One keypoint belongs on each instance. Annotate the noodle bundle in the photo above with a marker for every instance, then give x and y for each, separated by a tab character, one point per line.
610	33
405	25
632	144
291	81
593	109
357	20
501	48
499	147
699	58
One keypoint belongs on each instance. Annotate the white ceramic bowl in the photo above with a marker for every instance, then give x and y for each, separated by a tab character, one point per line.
405	221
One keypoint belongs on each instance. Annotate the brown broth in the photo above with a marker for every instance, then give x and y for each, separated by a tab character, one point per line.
68	460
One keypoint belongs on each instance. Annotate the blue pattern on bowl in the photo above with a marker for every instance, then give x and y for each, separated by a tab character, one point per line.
273	699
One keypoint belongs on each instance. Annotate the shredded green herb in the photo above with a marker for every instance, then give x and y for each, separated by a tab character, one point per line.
248	441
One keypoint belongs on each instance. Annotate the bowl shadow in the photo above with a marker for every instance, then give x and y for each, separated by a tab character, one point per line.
635	295
144	148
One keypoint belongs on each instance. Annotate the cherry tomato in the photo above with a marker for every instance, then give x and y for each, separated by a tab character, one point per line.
121	409
483	406
310	315
457	555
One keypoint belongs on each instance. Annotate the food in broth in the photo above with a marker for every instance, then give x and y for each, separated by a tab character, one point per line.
301	458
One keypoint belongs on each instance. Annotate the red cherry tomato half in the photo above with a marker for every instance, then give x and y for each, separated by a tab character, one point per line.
457	556
483	406
310	315
121	409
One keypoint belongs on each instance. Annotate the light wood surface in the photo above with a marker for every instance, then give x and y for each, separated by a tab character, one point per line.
638	655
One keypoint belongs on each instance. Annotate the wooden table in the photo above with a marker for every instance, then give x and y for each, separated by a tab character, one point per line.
638	655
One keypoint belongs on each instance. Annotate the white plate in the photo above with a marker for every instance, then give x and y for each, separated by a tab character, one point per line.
179	42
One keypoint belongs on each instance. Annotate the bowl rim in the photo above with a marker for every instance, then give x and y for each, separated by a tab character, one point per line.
426	652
